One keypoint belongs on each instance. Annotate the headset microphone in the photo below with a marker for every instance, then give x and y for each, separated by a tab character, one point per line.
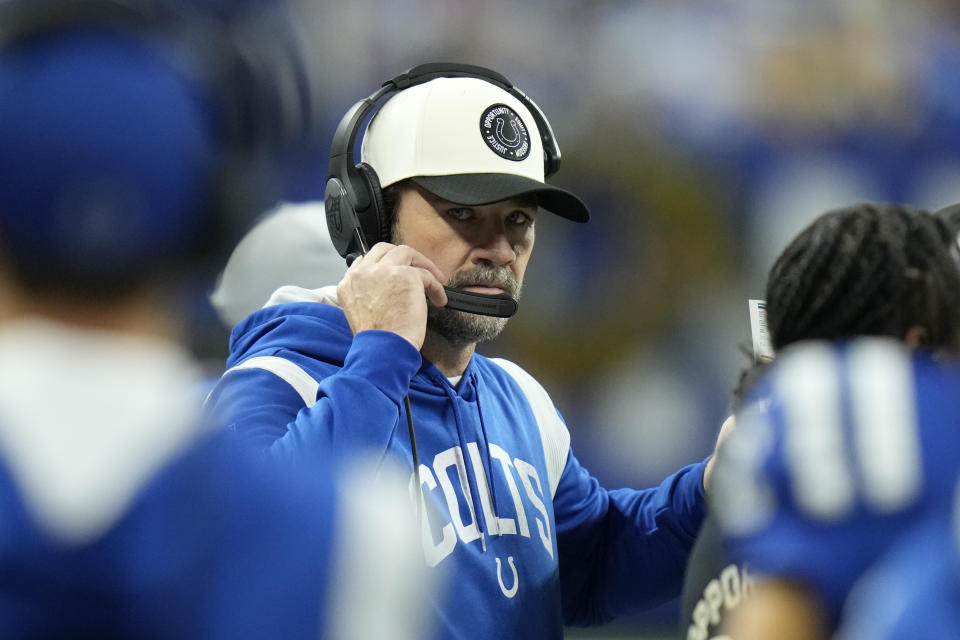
500	305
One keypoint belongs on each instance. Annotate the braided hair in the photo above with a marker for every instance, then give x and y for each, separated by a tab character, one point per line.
868	269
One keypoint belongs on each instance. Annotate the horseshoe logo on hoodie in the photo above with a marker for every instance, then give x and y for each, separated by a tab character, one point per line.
512	591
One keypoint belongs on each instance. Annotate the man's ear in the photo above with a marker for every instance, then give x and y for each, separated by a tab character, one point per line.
916	336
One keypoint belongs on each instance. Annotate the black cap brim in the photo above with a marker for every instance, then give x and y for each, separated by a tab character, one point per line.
487	188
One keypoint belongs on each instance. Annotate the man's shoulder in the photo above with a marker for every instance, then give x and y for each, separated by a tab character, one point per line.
509	373
502	366
289	301
554	435
316	329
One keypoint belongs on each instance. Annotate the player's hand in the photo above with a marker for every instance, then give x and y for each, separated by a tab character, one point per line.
388	289
725	430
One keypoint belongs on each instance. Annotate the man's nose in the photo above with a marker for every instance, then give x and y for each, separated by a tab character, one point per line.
495	248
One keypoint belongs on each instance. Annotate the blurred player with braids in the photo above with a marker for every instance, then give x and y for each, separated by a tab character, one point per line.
863	270
840	449
122	127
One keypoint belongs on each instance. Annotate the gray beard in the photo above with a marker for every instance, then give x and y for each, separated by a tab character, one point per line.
460	328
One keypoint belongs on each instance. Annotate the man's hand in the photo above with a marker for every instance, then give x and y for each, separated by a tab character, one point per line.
388	289
725	430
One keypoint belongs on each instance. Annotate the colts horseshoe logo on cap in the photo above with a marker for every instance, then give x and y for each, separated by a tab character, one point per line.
505	133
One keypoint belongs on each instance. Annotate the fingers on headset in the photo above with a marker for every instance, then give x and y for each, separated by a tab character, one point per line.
378	251
434	289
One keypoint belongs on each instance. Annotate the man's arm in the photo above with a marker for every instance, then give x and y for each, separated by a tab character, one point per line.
624	550
356	404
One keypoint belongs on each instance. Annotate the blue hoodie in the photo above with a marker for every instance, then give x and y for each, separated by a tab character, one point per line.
528	539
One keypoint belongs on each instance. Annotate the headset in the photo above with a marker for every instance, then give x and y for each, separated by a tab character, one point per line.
356	215
252	70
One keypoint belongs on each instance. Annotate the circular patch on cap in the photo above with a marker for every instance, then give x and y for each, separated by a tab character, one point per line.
505	133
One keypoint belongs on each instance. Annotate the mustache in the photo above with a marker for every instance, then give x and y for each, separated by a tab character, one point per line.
500	277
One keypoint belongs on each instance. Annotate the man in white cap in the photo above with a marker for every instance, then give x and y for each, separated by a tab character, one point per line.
439	221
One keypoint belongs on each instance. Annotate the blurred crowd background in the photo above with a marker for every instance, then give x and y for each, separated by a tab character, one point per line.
703	134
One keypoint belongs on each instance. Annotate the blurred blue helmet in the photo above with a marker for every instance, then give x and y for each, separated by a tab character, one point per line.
136	138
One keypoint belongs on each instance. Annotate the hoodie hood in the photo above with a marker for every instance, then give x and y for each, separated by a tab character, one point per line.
309	318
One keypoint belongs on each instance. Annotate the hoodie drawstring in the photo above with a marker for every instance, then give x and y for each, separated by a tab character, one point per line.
471	477
486	447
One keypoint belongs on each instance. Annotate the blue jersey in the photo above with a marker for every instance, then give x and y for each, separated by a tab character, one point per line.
125	516
913	591
529	539
842	448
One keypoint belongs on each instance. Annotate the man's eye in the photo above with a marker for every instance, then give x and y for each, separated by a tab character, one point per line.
521	219
461	213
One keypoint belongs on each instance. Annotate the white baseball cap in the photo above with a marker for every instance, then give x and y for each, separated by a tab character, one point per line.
465	140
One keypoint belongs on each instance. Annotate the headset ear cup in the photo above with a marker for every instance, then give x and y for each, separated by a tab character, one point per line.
341	218
375	221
